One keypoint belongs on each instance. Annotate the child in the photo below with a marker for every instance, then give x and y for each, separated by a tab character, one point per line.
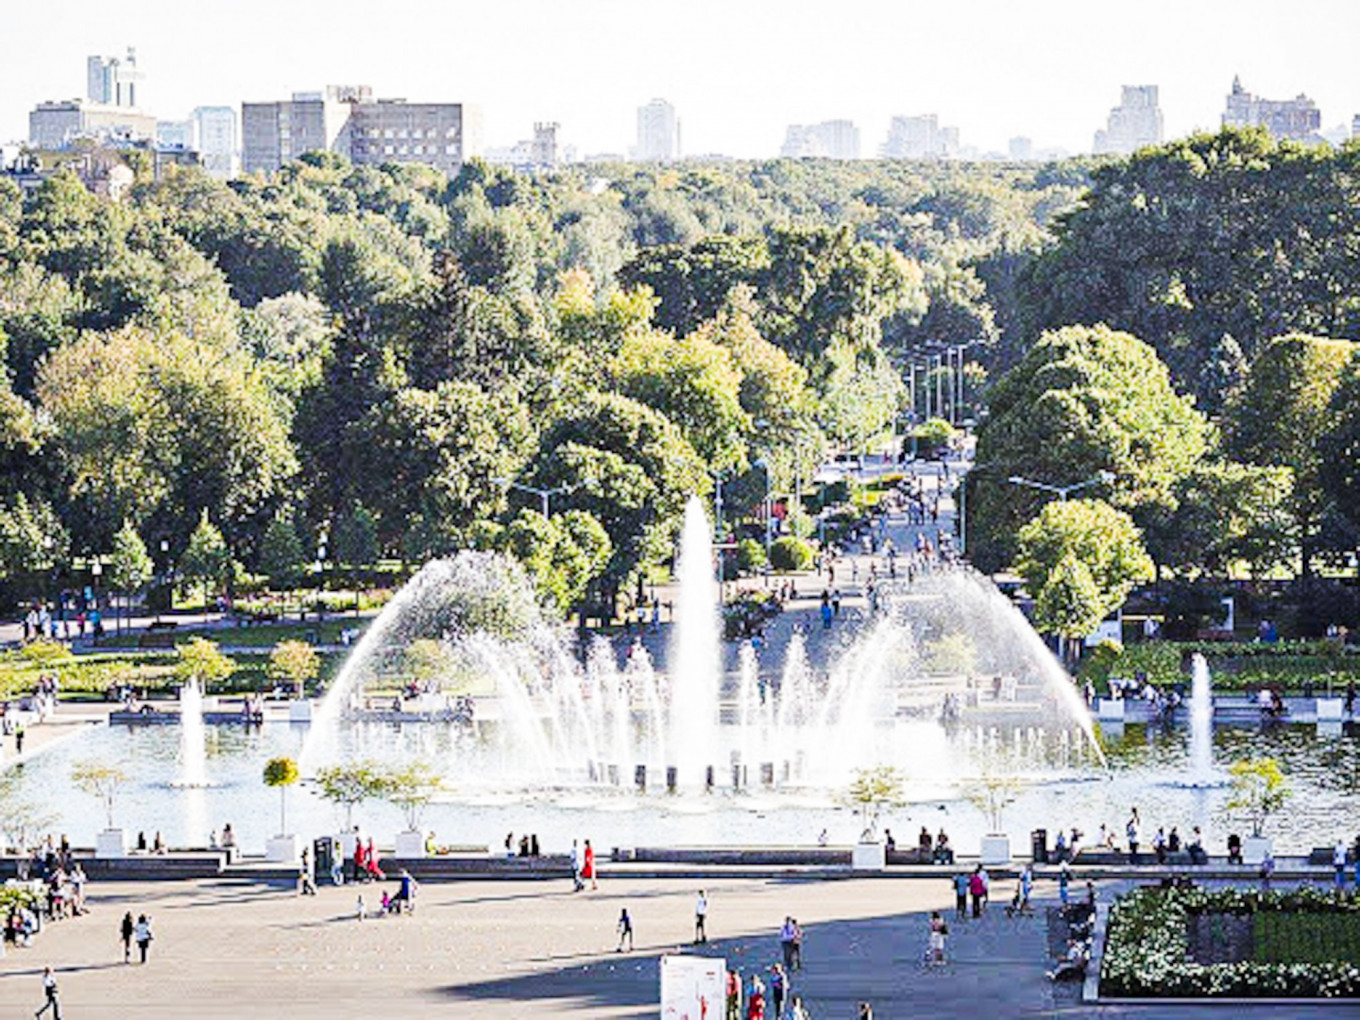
359	908
938	931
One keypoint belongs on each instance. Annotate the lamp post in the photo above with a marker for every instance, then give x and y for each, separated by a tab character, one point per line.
96	570
544	495
1063	491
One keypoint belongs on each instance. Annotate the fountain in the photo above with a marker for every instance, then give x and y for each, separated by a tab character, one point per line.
695	665
1201	765
192	750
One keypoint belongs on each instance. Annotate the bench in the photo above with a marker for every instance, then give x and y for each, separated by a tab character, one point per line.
159	625
911	855
161	639
1323	855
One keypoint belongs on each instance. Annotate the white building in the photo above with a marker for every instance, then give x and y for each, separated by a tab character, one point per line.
112	82
920	138
1132	125
832	139
215	137
658	133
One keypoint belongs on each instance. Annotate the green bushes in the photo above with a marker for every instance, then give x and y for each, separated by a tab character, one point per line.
1148	950
1236	666
790	553
751	558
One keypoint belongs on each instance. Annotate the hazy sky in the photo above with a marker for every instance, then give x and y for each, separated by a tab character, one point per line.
738	71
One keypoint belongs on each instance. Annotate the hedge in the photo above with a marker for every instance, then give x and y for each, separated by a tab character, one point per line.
1147	947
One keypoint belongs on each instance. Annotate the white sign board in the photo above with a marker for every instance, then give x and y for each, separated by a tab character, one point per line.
693	988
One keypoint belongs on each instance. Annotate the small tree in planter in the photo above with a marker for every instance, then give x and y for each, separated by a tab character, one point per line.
411	789
991	793
1258	789
20	820
282	773
351	784
871	790
104	782
200	662
294	663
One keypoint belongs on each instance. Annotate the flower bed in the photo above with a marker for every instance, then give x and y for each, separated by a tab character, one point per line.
1148	946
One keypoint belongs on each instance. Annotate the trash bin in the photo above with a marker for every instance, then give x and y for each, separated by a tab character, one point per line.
1039	845
323	852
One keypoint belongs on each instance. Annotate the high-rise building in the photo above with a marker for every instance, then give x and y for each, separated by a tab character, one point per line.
832	139
55	125
545	144
112	82
215	135
1297	118
1134	124
175	134
1021	149
920	138
348	120
658	133
1355	126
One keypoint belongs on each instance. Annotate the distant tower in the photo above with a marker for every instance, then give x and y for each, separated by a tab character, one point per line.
545	144
658	132
113	82
1135	123
1297	118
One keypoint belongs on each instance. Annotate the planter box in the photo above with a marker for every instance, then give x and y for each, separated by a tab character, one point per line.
410	845
282	849
996	849
111	843
868	857
1254	849
1110	708
300	710
1330	709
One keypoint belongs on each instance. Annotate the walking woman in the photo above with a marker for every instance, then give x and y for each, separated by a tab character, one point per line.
588	866
125	930
142	933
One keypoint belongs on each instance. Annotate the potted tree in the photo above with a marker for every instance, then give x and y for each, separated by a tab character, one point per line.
411	789
350	785
282	773
104	782
870	790
991	793
1258	790
295	664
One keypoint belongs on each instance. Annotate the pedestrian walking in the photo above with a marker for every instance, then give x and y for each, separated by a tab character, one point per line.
306	874
797	945
700	917
50	1000
977	890
1064	877
142	934
961	895
1339	863
779	986
786	936
576	883
733	995
625	928
588	866
125	930
755	1002
936	943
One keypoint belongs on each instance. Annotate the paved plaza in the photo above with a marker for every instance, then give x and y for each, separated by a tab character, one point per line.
534	949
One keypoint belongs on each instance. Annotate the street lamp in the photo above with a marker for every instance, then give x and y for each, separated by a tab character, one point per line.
542	494
96	569
1063	491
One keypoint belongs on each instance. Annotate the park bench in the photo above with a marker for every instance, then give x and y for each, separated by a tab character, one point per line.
162	625
911	855
159	639
1323	855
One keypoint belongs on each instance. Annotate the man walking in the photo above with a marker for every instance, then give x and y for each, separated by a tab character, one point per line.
786	938
49	983
576	882
700	916
961	895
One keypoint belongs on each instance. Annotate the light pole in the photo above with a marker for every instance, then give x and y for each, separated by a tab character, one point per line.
543	494
1063	491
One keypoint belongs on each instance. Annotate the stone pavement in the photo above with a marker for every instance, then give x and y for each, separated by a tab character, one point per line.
535	950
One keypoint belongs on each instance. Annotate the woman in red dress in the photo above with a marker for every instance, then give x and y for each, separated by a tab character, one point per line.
588	866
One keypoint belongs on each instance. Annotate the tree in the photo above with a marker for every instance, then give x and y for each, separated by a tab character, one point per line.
100	781
563	555
871	789
1339	451
130	566
426	661
205	562
31	537
200	662
1084	400
282	556
281	773
351	784
1069	604
1281	416
991	793
1091	551
295	663
1227	513
790	553
354	540
411	788
1258	790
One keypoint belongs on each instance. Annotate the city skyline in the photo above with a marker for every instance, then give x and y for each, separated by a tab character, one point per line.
1048	73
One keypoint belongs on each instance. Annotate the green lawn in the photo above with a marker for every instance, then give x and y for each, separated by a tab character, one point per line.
263	636
1284	937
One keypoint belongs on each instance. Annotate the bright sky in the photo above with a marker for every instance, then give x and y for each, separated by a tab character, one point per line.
738	71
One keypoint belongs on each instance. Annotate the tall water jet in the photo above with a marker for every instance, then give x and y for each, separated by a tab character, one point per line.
694	664
1201	724
192	752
